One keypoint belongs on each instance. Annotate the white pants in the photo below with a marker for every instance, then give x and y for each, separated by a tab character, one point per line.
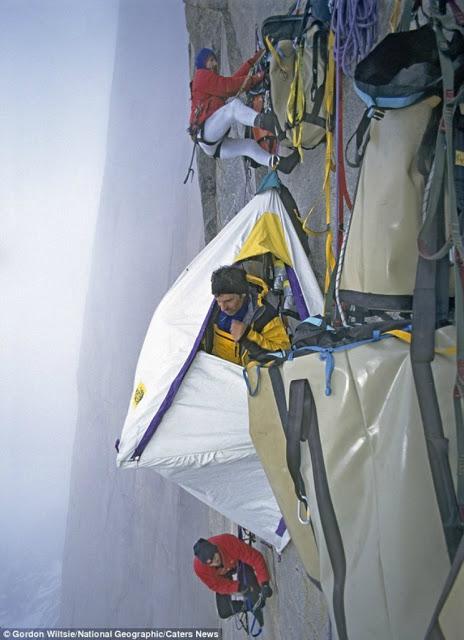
218	124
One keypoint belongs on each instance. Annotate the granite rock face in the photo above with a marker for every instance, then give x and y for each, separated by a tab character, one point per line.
228	27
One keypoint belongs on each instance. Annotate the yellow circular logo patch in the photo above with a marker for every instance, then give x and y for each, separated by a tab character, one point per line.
139	393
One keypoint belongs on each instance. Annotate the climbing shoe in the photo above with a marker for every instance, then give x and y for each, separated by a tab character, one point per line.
266	121
285	164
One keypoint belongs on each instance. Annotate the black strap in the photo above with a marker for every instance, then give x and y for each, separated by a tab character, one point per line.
303	425
304	22
310	118
361	134
434	247
422	354
434	632
292	437
299	410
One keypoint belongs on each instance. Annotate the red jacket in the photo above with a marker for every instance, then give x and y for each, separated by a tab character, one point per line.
231	550
210	90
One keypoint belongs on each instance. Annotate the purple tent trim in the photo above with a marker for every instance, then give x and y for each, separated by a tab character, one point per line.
281	528
173	389
297	293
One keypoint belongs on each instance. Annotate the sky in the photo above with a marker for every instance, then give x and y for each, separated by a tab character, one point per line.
56	66
56	61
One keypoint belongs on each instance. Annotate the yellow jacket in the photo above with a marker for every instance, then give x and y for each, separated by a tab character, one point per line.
265	332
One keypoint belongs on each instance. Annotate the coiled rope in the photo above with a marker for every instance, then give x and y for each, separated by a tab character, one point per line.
355	24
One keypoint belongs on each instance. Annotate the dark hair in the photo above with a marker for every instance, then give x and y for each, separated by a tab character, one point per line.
204	550
229	280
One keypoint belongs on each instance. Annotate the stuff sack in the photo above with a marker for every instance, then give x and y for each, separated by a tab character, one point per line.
362	457
404	68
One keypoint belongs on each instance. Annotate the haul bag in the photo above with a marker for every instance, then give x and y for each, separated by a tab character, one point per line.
268	437
281	73
362	455
379	264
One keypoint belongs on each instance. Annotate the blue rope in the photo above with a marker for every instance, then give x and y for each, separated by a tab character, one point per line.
326	355
252	392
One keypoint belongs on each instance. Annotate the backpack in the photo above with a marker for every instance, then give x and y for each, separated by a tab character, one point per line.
297	77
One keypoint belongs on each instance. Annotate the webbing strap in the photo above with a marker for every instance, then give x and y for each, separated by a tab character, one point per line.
292	436
297	101
458	392
276	56
446	150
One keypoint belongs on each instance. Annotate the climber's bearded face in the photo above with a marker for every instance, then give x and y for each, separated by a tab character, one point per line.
212	64
230	303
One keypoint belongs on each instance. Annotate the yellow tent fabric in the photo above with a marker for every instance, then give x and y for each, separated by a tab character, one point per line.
266	236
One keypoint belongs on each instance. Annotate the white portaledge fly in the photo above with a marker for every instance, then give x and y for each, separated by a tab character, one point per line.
188	415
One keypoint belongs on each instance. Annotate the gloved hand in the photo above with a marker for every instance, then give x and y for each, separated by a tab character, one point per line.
266	590
255	57
257	78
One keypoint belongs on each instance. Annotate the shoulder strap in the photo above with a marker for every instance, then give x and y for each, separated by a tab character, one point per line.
303	426
263	314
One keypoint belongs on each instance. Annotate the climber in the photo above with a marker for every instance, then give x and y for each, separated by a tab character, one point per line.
243	325
211	117
216	562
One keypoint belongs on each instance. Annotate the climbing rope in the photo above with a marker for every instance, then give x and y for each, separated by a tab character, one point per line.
355	24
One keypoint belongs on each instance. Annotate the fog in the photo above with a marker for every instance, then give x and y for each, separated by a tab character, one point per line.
56	73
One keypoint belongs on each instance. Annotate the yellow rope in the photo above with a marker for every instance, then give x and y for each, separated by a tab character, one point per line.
395	15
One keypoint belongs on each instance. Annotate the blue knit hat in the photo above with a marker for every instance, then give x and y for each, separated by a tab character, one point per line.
202	56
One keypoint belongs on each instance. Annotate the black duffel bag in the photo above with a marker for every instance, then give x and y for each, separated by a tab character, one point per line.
404	68
289	27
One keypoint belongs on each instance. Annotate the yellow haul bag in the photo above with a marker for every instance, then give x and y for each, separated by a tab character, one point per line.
269	440
362	456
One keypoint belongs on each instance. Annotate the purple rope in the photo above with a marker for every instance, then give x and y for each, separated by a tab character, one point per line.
354	23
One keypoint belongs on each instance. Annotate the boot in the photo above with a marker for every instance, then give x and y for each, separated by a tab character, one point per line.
266	121
285	164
